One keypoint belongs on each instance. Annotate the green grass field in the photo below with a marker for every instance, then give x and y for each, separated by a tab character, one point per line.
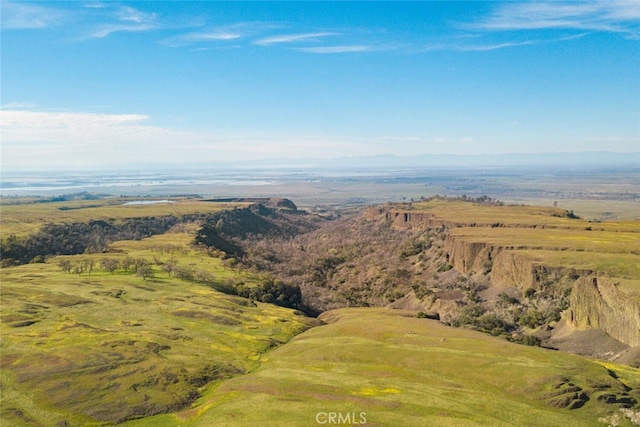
466	213
22	219
608	248
400	370
98	348
555	239
106	347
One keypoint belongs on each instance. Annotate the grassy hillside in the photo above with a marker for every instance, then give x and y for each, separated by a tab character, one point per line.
22	219
397	370
105	347
153	332
466	213
546	236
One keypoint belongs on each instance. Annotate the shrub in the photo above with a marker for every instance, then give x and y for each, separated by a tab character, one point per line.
526	340
492	324
532	319
505	300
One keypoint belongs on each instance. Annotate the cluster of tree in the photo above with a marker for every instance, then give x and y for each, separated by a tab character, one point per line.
349	261
511	317
81	237
229	231
68	197
484	199
221	231
140	266
274	292
89	237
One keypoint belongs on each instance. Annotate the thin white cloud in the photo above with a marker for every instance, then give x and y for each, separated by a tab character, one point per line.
45	139
18	105
489	47
127	19
126	13
229	32
20	16
201	36
290	38
107	30
33	126
212	35
95	5
610	16
336	49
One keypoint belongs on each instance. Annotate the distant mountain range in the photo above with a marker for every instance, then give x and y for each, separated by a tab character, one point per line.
569	160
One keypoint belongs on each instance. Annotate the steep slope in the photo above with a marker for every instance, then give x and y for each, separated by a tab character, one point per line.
544	250
99	347
381	367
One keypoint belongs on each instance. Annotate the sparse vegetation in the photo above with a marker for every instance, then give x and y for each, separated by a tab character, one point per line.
153	341
406	371
163	319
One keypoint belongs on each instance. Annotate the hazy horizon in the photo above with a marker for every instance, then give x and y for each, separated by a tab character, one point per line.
542	161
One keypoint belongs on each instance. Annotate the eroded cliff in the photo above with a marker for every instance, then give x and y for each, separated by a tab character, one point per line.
596	301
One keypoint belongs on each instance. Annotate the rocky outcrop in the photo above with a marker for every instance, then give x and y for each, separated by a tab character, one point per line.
596	302
511	269
402	218
466	256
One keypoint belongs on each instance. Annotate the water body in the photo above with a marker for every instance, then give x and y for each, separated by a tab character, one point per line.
50	184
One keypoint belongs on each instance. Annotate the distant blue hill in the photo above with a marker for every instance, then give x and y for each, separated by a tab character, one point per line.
597	159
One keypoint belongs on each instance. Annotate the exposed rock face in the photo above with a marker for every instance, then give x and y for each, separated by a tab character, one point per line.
469	256
510	269
596	302
404	218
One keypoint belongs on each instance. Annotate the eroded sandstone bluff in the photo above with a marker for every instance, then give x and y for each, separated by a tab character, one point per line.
596	301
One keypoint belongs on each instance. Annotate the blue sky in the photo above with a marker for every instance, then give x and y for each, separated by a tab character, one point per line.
101	83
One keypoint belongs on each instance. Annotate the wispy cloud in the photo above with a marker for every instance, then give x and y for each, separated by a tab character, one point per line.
54	139
95	5
107	30
30	126
489	47
290	38
19	16
202	36
230	32
126	13
18	106
216	35
126	19
610	15
336	49
31	137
